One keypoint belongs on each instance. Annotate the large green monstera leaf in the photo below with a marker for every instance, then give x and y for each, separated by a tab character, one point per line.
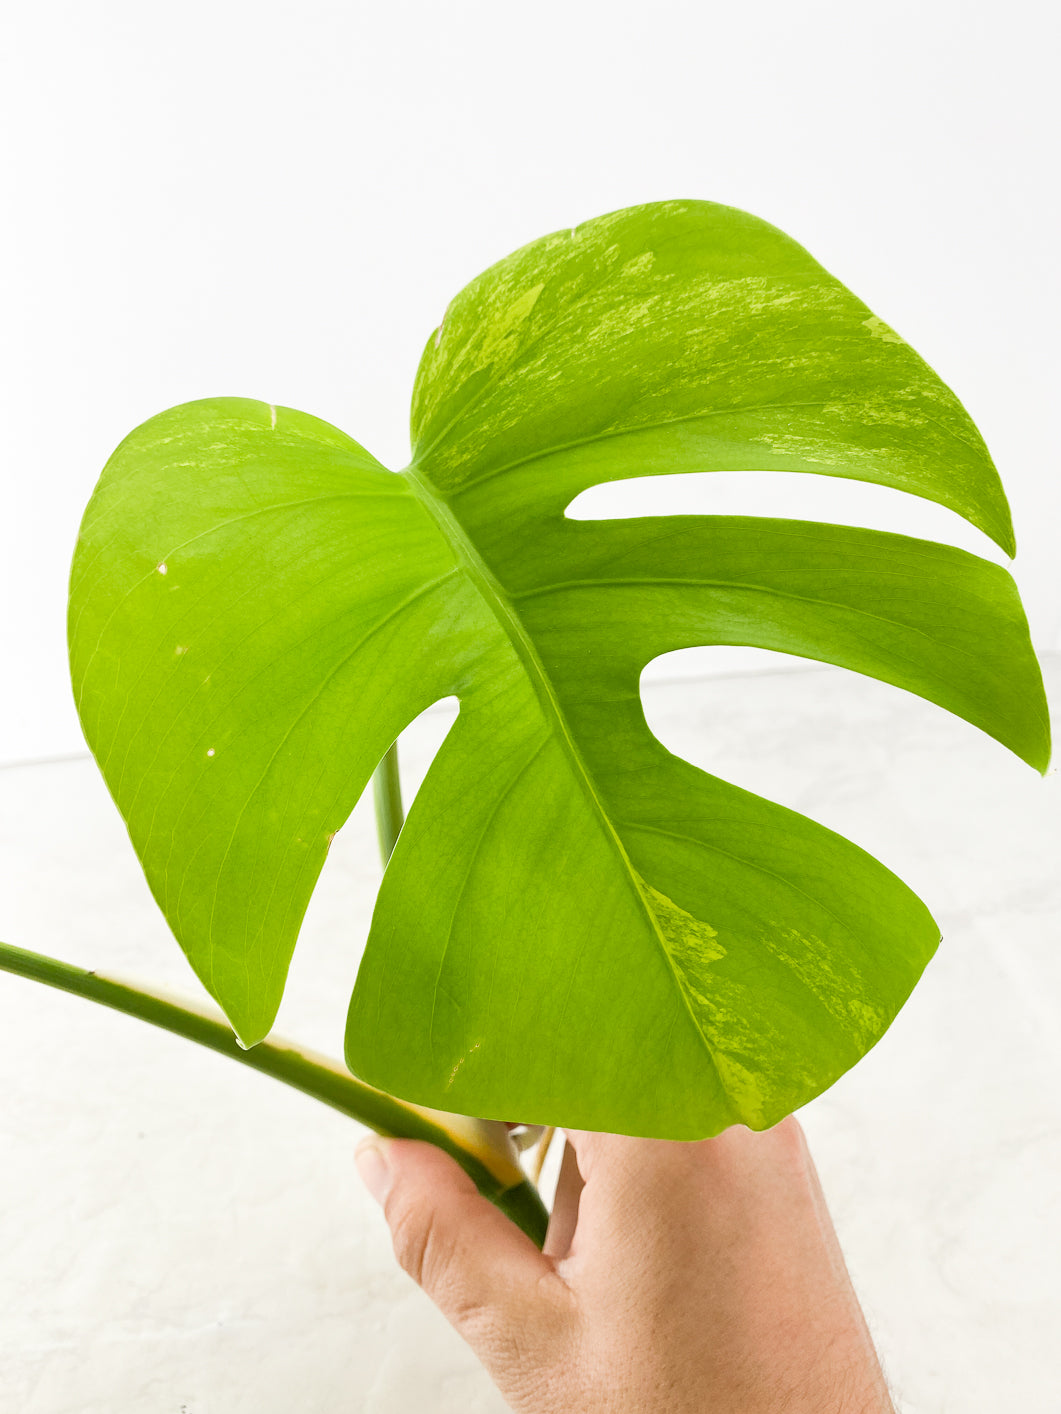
575	925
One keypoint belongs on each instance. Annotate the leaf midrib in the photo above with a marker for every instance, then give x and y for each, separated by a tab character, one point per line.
658	580
499	604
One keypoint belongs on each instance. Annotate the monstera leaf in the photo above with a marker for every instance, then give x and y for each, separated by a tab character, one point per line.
575	926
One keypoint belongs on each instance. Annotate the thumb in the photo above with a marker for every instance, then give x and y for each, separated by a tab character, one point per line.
486	1276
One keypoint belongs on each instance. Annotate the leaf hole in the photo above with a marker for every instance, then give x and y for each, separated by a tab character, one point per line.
782	495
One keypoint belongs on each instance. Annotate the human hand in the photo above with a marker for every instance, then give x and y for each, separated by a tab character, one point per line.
676	1277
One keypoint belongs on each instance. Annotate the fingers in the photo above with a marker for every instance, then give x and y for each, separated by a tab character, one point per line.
487	1278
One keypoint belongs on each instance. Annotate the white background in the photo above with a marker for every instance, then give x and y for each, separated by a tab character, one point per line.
278	201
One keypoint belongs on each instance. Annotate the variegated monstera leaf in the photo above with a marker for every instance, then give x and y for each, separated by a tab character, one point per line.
575	926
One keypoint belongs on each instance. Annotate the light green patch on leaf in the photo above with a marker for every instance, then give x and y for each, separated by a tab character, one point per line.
880	330
692	945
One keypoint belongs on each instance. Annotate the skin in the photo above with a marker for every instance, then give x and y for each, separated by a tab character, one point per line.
701	1278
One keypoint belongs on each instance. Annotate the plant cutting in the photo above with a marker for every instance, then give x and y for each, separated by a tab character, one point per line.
258	608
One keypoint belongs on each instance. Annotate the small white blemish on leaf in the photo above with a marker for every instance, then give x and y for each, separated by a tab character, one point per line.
272	417
163	568
210	751
180	648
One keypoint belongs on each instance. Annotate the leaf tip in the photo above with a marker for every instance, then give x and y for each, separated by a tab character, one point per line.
247	1038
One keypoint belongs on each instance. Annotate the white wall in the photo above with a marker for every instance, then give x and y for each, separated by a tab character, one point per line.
279	200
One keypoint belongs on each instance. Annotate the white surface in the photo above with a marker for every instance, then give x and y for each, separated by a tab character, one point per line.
180	1236
278	201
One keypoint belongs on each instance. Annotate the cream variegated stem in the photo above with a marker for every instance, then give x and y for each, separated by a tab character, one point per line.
541	1153
481	1147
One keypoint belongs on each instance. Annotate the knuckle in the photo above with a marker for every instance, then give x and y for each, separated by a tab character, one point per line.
415	1238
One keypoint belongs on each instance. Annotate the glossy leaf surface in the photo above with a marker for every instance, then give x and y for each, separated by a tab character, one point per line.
575	925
